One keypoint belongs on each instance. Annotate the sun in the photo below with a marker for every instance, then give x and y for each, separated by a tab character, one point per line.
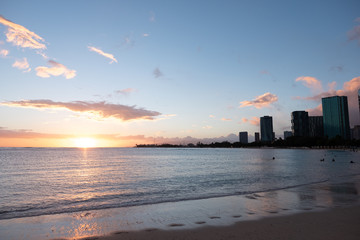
84	142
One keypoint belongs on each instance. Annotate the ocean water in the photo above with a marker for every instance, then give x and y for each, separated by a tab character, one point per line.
43	181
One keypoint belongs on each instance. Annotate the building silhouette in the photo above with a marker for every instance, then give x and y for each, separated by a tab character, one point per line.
266	129
336	117
287	134
243	137
300	123
316	127
257	137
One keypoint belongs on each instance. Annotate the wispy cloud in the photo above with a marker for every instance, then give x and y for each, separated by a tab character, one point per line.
226	119
146	34
349	89
4	52
22	65
260	101
253	121
310	82
57	69
21	36
107	55
99	109
126	91
354	34
25	133
152	17
157	73
337	68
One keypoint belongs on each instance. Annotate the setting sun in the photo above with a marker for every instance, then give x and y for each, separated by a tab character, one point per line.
84	142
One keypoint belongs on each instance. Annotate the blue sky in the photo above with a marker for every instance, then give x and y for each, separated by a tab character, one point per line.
130	72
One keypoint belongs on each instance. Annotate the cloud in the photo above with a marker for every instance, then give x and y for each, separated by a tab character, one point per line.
146	34
4	52
25	133
337	68
21	36
57	69
354	34
349	89
260	101
126	91
22	65
211	116
99	109
315	111
157	73
265	72
253	121
107	55
310	82
152	17
226	119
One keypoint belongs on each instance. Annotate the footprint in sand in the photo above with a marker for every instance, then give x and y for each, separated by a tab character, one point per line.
200	222
237	216
176	225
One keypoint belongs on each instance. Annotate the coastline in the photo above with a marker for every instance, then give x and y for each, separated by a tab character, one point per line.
316	211
336	223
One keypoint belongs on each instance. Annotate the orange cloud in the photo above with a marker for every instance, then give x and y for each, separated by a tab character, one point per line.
226	119
57	69
100	109
21	36
350	89
310	82
22	65
253	121
4	52
107	55
260	101
315	111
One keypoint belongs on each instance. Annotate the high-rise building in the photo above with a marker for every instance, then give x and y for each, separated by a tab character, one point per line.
355	132
266	129
287	134
359	99
316	127
257	137
243	137
336	117
300	123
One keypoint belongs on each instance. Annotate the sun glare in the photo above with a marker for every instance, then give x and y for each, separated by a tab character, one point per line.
84	142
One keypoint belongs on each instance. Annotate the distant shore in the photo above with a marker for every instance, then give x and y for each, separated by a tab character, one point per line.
336	223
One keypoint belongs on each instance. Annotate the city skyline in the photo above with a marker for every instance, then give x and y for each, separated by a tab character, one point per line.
126	73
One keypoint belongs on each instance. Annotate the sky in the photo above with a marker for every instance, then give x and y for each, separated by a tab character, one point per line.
120	73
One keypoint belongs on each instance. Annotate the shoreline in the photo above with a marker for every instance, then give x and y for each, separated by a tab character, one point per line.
194	218
336	223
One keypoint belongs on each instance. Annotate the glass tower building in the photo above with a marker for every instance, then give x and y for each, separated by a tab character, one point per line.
336	117
266	129
300	123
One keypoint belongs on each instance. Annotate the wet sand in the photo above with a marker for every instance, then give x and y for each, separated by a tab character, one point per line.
337	223
328	210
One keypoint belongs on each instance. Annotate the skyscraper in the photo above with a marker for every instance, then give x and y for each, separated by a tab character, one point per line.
336	117
287	134
300	123
266	129
316	128
243	137
257	137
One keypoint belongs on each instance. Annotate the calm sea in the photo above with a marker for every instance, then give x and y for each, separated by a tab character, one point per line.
39	181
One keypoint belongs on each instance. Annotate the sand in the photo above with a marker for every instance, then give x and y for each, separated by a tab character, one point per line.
336	223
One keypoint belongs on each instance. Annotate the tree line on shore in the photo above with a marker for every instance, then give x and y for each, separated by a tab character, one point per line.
307	142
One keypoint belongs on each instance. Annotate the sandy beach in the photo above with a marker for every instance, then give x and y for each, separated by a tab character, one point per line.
337	223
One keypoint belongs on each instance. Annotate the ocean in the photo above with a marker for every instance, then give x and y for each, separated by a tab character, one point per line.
46	181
